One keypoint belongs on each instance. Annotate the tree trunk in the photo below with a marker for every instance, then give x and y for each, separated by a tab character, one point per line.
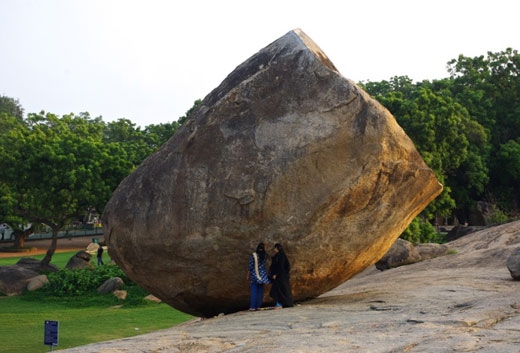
20	236
50	252
19	239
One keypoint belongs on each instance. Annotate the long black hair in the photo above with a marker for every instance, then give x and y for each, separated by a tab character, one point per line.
281	256
260	250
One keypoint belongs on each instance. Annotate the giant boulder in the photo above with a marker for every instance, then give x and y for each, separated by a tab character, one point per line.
285	150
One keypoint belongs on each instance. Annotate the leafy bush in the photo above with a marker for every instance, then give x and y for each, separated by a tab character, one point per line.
497	217
109	271
81	281
420	231
135	298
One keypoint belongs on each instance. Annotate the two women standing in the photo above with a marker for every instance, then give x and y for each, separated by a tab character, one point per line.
278	276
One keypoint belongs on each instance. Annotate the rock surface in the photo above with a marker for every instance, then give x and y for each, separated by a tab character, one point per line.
80	260
36	265
285	150
462	302
401	253
513	265
431	250
462	230
14	279
111	285
37	282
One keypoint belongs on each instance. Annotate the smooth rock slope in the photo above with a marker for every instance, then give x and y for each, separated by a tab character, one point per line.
464	302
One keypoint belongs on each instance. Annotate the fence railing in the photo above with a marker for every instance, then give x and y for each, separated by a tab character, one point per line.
70	232
67	233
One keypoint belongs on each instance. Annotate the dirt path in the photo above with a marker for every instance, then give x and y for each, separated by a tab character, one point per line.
41	246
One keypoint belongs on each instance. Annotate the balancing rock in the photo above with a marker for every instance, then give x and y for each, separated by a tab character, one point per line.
285	150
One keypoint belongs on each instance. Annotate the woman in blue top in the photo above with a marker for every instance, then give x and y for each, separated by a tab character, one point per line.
257	274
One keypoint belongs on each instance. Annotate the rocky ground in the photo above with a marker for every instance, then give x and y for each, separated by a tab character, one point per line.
464	302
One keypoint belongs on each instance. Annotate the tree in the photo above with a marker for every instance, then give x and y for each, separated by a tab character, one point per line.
54	168
129	137
156	135
489	88
11	134
183	118
11	107
442	130
506	173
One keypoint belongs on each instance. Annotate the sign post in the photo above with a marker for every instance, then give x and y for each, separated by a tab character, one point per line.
51	333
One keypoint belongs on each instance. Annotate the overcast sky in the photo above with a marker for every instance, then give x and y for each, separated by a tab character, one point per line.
149	60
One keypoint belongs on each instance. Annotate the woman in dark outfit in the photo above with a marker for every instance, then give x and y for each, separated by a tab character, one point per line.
279	272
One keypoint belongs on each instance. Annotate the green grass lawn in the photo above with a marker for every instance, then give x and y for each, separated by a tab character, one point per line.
59	259
82	320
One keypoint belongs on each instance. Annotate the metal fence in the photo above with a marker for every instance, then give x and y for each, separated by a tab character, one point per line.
69	232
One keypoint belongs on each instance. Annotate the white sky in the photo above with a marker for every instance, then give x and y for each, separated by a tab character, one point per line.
149	60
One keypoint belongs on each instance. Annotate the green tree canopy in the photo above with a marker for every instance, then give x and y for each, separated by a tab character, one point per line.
55	168
489	88
442	131
11	107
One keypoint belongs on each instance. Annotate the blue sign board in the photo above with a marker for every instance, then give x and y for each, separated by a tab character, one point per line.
51	333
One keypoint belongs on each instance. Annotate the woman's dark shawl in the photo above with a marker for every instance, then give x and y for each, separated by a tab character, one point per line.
281	288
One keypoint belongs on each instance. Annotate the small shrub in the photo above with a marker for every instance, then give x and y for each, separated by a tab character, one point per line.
135	298
80	281
419	231
109	271
497	217
439	237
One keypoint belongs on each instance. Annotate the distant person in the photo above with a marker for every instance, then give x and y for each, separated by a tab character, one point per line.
279	273
100	256
257	274
3	227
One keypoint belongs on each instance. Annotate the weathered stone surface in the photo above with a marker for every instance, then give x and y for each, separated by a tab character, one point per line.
481	214
120	294
92	248
111	285
401	253
461	230
80	260
285	150
29	263
431	250
37	282
463	302
152	298
14	279
36	265
513	265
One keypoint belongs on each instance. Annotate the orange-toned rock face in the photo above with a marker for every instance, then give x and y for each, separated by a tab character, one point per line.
284	150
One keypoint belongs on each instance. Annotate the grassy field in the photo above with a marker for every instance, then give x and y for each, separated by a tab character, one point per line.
82	320
58	259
